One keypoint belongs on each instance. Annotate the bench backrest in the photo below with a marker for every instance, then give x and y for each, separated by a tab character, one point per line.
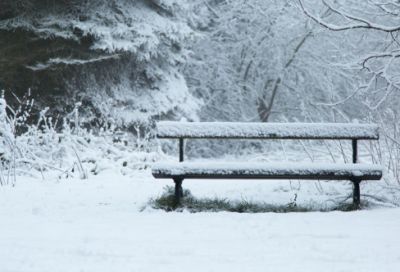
228	130
201	130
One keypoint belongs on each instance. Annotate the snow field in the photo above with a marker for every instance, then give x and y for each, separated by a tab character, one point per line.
96	225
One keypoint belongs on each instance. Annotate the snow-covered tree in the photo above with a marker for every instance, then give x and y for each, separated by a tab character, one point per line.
372	29
369	51
261	60
119	58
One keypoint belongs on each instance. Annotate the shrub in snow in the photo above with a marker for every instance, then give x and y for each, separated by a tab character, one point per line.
193	204
44	152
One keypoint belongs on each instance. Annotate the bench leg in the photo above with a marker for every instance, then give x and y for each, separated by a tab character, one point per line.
178	190
356	191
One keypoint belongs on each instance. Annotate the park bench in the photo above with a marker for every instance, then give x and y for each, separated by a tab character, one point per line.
355	172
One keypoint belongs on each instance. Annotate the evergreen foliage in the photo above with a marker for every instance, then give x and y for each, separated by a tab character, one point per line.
118	58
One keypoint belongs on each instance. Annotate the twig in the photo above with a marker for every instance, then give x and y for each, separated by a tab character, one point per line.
83	174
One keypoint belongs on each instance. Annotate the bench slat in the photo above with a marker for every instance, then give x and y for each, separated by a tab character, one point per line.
168	129
238	170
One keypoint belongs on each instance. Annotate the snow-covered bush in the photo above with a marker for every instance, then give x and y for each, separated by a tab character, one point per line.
47	153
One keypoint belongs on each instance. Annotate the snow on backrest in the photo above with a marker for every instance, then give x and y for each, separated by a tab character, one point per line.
170	129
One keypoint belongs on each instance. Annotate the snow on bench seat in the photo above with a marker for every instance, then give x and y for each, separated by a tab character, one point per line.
259	170
267	130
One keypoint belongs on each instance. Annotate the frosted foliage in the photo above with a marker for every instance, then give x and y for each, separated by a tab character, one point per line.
118	25
139	105
137	46
371	28
3	105
261	60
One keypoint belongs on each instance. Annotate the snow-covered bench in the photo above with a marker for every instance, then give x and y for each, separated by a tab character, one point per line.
307	171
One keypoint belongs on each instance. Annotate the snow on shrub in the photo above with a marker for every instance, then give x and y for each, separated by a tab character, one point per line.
43	152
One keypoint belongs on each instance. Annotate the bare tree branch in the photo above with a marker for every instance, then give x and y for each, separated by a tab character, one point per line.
362	22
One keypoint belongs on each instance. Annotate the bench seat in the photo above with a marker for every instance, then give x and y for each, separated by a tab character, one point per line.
261	170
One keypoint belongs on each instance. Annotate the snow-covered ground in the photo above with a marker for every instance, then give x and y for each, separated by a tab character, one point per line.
96	225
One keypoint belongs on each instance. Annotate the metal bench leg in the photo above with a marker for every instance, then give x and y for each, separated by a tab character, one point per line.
178	190
356	181
356	191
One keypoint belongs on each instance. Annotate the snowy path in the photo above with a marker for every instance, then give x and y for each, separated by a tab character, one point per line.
95	225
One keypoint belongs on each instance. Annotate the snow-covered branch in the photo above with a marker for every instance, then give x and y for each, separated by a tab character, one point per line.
356	22
376	48
69	61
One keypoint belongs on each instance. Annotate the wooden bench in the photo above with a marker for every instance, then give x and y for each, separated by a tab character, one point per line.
181	170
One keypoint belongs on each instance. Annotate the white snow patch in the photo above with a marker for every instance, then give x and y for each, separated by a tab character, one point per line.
95	225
